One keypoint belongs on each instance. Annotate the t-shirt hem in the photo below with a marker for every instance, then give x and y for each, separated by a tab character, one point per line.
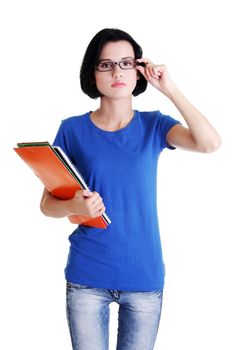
114	286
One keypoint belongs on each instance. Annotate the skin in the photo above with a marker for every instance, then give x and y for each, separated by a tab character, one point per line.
116	111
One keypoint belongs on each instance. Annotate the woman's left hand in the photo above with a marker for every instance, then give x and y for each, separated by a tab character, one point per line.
156	75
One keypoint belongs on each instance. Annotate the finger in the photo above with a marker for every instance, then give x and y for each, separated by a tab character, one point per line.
96	197
93	198
154	72
143	67
147	73
99	207
140	69
150	71
98	212
101	211
159	69
87	193
96	193
97	202
83	193
144	72
144	60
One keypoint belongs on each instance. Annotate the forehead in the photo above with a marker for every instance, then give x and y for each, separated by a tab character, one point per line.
117	50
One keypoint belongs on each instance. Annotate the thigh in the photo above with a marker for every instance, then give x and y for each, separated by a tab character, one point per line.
139	317
88	317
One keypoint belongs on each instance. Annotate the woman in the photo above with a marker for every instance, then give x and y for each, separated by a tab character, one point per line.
116	149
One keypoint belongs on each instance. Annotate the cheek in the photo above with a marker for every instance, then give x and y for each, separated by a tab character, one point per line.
102	84
101	80
134	77
134	80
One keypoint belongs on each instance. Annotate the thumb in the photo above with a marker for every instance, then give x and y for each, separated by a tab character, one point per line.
83	193
87	193
141	70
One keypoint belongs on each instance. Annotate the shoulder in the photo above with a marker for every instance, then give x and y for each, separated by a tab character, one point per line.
148	115
156	117
152	117
74	121
70	132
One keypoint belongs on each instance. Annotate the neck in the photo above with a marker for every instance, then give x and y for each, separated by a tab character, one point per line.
113	114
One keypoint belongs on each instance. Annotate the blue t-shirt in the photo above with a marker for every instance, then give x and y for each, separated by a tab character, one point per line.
122	167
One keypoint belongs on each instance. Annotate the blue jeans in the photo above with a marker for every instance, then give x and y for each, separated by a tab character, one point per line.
88	317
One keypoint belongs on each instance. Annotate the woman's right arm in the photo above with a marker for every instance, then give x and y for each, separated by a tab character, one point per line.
83	203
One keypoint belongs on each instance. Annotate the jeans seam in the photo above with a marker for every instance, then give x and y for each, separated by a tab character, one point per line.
69	318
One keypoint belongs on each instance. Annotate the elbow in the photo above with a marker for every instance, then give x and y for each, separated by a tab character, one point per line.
212	146
43	207
44	203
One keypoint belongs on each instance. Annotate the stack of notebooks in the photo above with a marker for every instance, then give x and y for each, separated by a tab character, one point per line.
59	176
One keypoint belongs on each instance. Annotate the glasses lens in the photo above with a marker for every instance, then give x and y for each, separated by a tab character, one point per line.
104	66
127	64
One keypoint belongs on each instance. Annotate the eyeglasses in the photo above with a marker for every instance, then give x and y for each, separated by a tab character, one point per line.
106	66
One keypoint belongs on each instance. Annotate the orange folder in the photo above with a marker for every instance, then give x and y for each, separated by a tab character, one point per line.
58	175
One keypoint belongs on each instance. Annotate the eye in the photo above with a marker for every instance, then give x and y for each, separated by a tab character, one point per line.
105	65
128	63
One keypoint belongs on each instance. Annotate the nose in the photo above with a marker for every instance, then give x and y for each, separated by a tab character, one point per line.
117	71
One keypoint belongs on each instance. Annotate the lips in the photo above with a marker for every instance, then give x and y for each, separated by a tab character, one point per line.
118	84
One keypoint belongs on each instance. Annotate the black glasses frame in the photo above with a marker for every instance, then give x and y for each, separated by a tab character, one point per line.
113	65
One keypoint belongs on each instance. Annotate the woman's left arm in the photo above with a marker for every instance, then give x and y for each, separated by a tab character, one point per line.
200	135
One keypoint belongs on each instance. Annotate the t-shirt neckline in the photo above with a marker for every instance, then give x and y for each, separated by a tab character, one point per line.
126	127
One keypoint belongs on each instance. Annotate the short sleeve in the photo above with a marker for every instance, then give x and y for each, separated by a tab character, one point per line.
166	122
61	138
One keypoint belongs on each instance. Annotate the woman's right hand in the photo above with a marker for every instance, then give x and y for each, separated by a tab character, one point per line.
87	203
84	203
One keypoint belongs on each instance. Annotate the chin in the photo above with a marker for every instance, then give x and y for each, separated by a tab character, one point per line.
119	93
118	96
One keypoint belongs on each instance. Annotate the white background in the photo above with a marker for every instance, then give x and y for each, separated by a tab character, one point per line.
42	45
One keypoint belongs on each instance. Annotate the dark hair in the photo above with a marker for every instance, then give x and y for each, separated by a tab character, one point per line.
91	57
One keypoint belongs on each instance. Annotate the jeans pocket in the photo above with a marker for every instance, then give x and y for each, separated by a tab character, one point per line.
70	285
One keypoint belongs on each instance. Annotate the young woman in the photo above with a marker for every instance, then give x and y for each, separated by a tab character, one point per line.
116	148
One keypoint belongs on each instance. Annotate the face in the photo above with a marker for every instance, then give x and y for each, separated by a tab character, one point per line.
116	83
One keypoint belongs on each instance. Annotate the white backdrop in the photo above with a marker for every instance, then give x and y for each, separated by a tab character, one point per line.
42	45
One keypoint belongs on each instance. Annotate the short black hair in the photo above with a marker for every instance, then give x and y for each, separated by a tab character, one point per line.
91	57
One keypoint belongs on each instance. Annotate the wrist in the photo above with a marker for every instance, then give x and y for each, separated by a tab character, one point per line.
171	90
71	207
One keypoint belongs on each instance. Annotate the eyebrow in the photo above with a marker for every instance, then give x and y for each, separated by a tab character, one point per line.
108	59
